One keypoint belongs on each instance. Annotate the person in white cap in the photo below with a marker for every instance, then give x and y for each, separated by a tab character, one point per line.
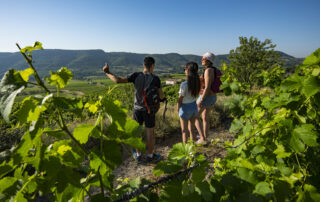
207	97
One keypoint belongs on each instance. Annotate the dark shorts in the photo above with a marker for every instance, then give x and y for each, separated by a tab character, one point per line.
143	116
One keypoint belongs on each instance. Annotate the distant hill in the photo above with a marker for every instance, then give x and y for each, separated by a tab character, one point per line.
84	63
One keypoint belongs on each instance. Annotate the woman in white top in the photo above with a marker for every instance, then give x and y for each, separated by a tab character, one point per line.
187	106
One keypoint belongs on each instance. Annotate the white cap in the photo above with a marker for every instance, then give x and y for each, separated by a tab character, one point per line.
209	56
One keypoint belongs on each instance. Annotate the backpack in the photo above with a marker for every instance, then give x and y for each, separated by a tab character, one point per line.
151	97
215	86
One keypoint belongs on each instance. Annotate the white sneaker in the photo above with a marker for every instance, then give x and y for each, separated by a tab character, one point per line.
201	142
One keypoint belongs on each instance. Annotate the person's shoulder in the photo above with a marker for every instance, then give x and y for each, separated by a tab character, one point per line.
155	76
184	84
132	77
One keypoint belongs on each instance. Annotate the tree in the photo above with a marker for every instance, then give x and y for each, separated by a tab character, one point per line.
251	58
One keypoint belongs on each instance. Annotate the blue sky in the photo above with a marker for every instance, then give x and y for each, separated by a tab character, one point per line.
160	26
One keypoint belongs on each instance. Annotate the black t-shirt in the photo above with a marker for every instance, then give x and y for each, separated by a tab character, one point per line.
142	80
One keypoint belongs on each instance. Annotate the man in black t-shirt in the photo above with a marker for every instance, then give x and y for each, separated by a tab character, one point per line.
141	80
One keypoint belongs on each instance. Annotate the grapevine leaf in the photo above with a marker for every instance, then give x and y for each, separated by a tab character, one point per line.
218	189
112	153
316	71
247	175
73	105
11	85
164	167
310	194
8	187
258	149
235	87
134	142
200	158
99	198
26	143
82	132
60	78
69	154
135	183
284	169
5	168
263	188
282	190
306	134
312	59
187	188
92	106
198	174
70	192
292	179
236	125
59	134
132	128
281	152
181	151
258	113
203	188
29	111
172	192
37	45
19	197
116	112
25	74
292	83
311	86
67	179
97	162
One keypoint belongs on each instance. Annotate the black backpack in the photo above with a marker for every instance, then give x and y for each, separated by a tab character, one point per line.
151	97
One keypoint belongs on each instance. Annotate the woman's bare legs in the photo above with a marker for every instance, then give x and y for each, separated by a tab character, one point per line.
184	130
191	126
199	126
205	122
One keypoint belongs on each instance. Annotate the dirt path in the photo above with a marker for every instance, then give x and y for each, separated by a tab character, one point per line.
129	168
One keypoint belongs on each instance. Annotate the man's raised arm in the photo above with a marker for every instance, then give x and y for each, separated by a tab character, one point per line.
113	77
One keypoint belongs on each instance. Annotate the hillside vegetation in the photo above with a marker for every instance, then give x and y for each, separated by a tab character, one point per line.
86	63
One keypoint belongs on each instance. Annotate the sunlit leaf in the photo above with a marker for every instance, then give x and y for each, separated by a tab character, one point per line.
312	59
82	132
37	45
263	188
26	73
60	78
311	86
11	85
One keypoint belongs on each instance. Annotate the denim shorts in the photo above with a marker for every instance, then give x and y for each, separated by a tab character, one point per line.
208	101
188	111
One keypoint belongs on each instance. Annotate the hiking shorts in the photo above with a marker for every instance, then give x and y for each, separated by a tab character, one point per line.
188	111
208	101
143	117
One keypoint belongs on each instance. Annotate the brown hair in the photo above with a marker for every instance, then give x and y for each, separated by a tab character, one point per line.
193	79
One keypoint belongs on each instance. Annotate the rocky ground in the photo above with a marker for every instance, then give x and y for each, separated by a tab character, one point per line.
129	168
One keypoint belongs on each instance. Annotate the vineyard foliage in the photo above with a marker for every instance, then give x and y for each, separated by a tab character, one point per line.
59	169
275	155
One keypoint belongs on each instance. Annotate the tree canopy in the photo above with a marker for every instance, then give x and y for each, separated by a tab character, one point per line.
251	58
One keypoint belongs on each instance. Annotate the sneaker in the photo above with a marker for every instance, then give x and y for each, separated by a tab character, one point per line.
200	142
154	159
137	158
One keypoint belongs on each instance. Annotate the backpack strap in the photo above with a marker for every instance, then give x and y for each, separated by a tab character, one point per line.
144	92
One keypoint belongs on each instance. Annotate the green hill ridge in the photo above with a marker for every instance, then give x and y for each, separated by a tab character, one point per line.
86	63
